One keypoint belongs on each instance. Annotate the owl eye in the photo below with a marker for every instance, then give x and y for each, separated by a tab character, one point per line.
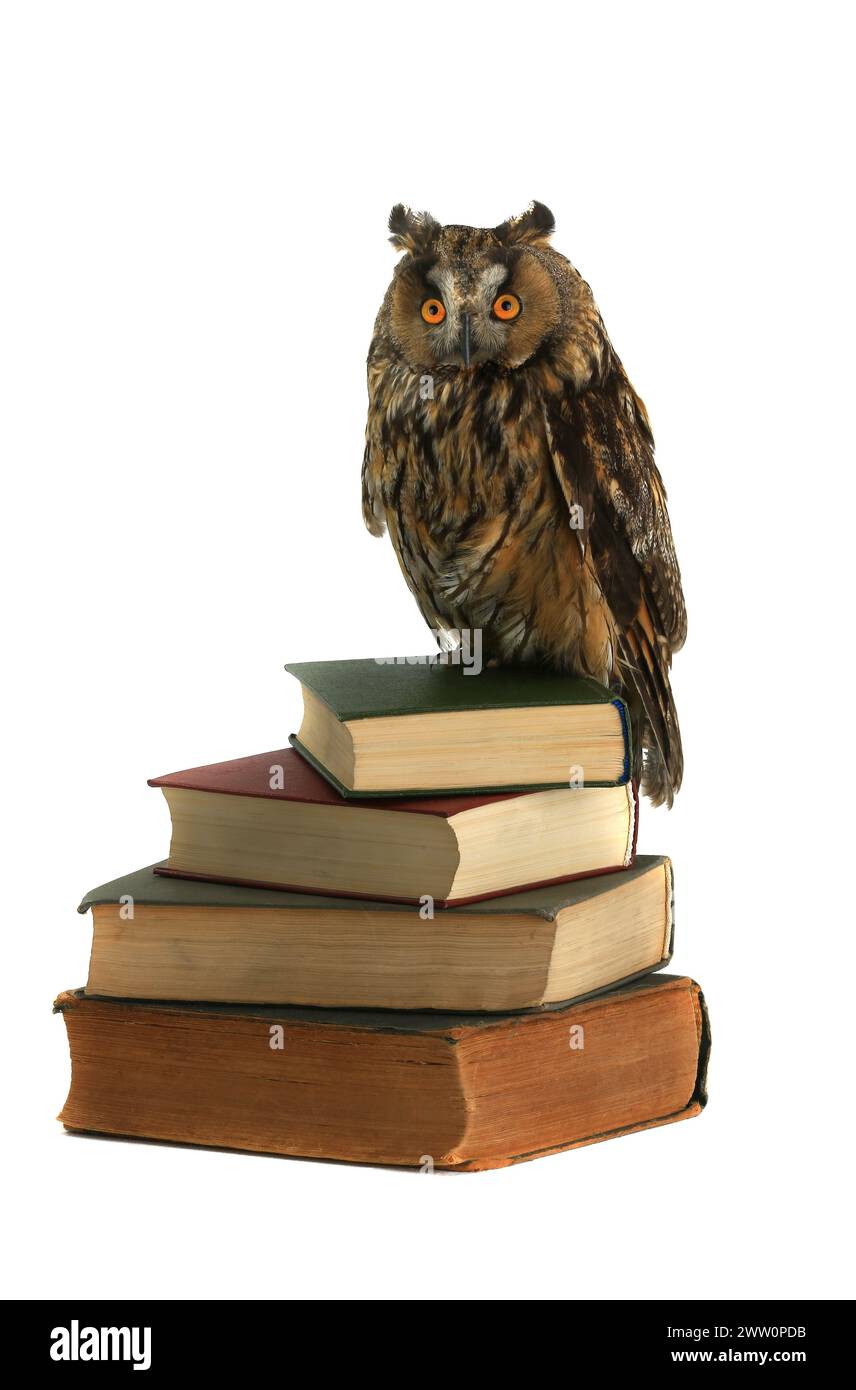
507	306
433	311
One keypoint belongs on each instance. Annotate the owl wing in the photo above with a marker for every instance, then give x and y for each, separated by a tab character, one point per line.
373	458
373	510
603	455
383	464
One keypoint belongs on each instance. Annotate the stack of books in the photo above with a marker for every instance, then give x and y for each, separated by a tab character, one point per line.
419	936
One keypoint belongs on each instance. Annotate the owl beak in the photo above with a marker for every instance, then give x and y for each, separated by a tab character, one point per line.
465	339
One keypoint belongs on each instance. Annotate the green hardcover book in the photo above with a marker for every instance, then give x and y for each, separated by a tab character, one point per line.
173	938
404	728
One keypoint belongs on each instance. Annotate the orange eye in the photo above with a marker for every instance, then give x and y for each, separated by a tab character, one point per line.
433	311
507	307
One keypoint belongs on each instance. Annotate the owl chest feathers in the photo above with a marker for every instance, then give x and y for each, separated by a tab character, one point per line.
480	526
470	457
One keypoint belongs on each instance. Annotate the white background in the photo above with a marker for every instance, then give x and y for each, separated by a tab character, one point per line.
193	250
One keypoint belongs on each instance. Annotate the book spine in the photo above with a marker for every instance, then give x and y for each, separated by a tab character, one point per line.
628	739
633	827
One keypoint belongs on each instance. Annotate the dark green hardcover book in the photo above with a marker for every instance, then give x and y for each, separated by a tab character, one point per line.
374	727
157	937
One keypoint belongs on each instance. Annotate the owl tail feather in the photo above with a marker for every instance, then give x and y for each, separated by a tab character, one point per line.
658	759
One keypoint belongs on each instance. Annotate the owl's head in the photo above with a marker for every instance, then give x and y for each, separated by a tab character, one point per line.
462	297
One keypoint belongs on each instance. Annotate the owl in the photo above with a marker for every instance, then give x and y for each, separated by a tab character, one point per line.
512	463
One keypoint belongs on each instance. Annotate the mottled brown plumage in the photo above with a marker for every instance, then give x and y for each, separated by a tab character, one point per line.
513	465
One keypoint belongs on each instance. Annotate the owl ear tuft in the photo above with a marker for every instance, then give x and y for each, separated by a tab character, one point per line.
411	231
532	228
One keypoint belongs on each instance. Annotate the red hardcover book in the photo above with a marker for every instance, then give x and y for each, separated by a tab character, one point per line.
271	821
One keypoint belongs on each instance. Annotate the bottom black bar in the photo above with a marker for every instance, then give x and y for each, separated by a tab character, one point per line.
156	1338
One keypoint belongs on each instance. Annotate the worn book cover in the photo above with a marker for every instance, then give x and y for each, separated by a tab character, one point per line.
450	1091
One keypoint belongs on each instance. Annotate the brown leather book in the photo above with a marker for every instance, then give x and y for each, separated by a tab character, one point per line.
418	1090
